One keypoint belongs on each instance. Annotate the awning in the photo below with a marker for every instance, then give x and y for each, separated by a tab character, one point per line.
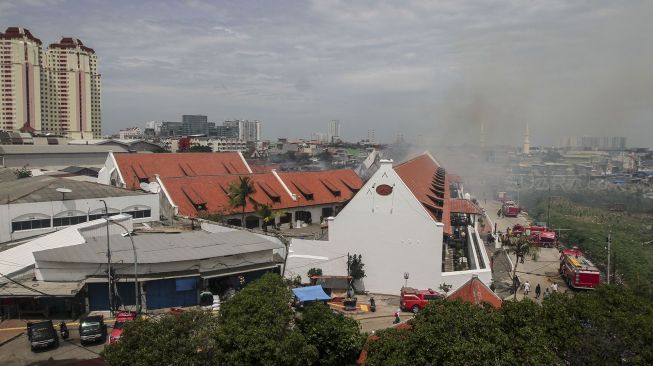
310	293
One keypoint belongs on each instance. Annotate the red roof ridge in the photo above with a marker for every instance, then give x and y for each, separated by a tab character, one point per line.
476	292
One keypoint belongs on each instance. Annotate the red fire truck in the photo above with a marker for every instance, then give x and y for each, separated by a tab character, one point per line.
578	271
510	209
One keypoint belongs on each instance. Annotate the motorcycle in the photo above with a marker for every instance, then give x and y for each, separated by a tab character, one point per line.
63	330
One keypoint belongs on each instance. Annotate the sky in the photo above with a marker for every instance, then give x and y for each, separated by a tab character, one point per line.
430	70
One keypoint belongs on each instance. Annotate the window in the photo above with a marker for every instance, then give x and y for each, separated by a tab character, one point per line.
101	215
69	220
139	214
30	224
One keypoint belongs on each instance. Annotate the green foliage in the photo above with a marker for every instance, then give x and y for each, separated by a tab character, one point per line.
23	172
239	192
185	339
632	261
266	213
356	265
199	148
337	338
444	287
256	327
458	333
314	272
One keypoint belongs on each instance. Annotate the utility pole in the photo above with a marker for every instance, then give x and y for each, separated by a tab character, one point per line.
106	217
609	243
548	209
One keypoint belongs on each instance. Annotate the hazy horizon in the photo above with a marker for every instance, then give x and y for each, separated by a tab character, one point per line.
421	68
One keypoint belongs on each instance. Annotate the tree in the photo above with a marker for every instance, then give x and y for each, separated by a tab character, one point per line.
314	272
23	172
459	333
521	246
255	327
184	339
356	265
265	212
239	192
338	338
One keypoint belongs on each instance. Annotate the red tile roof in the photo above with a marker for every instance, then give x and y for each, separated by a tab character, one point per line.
475	292
144	166
193	193
419	174
322	187
459	205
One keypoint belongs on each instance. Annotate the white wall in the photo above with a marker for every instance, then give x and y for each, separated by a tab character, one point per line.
50	209
394	234
110	171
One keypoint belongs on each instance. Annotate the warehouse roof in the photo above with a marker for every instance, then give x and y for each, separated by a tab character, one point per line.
58	149
44	189
162	248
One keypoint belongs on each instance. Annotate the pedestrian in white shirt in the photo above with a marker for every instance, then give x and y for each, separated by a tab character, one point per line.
527	288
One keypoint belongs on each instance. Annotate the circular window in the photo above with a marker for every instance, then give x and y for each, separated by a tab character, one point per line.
383	189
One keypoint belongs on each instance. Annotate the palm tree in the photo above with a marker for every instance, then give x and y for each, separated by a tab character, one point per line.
265	212
521	246
239	192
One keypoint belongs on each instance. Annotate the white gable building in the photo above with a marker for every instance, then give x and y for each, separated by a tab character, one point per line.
399	222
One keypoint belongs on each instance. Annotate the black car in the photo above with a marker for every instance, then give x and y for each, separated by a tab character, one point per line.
92	329
42	335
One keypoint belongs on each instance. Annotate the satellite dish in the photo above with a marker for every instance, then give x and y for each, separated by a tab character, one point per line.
155	187
145	187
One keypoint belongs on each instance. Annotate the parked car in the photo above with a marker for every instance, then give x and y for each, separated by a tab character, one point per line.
42	335
119	325
415	300
92	329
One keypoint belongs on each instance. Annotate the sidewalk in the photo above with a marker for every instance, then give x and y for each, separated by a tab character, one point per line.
11	329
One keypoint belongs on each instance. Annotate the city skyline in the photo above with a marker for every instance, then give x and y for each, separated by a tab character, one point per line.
420	69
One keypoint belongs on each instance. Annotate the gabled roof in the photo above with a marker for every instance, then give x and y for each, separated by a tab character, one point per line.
322	187
212	192
475	292
420	174
460	205
192	192
144	166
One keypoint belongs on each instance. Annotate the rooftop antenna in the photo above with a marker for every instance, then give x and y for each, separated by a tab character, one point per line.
63	192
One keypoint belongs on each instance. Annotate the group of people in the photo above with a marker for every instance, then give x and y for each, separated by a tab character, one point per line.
538	289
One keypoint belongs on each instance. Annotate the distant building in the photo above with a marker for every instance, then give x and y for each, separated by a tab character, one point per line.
249	131
194	124
334	131
53	157
593	142
171	129
130	133
54	91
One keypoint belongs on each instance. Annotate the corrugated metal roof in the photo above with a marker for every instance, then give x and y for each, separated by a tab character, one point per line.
162	248
58	149
43	189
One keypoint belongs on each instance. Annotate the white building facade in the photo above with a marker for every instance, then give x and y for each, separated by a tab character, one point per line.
396	235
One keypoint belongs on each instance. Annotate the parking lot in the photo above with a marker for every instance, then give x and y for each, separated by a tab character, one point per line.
18	352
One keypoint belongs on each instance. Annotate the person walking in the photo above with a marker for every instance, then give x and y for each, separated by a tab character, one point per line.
546	294
554	287
538	291
397	319
527	288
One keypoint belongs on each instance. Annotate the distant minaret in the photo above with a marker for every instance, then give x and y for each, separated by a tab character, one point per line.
482	135
526	149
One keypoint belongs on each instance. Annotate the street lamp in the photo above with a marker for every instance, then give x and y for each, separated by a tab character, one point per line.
106	217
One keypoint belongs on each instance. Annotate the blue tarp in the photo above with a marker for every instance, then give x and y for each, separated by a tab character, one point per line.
311	293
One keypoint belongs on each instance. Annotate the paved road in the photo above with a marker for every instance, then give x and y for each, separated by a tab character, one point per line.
543	271
18	352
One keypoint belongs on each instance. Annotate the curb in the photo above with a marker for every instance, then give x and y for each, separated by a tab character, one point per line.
11	339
